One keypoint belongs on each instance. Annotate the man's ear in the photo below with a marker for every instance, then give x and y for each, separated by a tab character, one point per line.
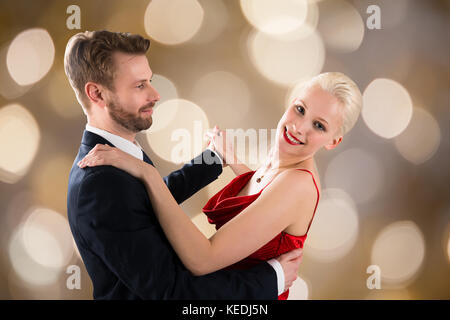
95	93
334	143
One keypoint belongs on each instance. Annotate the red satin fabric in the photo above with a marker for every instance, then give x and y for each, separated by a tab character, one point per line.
225	205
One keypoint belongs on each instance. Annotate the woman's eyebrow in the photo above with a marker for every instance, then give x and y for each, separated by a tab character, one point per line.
306	107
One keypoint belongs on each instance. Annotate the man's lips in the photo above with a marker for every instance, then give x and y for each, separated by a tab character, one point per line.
147	110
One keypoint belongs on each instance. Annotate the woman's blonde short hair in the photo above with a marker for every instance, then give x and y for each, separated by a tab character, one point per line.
347	93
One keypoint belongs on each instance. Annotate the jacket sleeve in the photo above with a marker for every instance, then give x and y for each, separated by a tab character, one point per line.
193	176
116	227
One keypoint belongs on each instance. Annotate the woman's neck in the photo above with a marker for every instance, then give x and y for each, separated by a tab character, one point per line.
276	161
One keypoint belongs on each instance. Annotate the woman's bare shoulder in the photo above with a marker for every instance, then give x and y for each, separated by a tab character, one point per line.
294	182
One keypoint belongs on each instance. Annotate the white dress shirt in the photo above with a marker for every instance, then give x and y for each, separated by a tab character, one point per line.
135	150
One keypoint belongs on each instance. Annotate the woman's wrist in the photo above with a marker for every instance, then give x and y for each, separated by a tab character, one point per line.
148	172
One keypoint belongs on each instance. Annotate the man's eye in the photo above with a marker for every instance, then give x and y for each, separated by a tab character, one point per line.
141	86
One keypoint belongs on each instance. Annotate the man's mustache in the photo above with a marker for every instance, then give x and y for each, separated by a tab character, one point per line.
147	106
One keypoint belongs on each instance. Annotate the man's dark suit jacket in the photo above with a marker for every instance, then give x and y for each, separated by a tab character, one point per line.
124	248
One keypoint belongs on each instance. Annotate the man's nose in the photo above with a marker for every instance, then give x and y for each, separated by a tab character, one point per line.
153	94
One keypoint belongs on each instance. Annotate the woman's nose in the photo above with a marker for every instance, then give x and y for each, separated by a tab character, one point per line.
299	128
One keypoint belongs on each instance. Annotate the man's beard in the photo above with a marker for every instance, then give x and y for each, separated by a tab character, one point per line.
132	122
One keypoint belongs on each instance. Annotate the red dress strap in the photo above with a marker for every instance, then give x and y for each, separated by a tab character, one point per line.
318	196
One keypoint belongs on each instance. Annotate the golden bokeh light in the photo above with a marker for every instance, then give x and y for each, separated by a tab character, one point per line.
201	221
399	251
275	17
19	141
182	139
215	20
421	139
22	290
167	90
340	25
350	170
47	238
224	96
25	267
173	22
387	107
30	56
286	61
9	88
335	227
299	290
448	249
445	242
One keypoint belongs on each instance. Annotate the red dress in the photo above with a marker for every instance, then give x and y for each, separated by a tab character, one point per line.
225	205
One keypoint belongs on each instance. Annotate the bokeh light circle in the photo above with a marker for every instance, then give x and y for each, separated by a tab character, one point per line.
286	61
25	267
340	25
183	138
41	246
299	290
275	17
421	139
335	227
19	141
30	56
387	107
351	170
167	91
224	96
47	238
399	251
201	222
173	22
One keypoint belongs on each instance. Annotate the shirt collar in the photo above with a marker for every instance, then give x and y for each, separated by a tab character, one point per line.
125	145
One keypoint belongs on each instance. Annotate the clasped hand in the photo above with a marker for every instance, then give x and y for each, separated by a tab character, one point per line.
219	143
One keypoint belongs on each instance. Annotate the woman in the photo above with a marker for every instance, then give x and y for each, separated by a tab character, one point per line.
259	214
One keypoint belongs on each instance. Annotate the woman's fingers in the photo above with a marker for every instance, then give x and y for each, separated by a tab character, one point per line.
100	147
98	155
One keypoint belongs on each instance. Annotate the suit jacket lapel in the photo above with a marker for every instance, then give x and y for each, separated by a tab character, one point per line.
147	159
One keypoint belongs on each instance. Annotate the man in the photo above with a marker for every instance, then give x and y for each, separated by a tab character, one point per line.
118	236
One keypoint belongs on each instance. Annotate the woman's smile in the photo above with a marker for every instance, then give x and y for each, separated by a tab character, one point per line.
290	138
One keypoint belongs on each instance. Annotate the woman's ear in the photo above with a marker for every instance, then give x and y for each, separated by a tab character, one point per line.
334	143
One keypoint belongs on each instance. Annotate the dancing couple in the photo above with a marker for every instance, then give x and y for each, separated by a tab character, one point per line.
134	238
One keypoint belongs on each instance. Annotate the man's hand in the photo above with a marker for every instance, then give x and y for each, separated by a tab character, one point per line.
290	261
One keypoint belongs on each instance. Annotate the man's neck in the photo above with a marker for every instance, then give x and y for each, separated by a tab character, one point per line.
114	129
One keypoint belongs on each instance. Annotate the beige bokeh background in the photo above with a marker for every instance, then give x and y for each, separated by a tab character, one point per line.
238	64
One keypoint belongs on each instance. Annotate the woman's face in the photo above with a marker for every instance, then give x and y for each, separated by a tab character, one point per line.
311	122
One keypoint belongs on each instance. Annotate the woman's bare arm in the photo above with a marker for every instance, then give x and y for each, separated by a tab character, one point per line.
289	198
283	202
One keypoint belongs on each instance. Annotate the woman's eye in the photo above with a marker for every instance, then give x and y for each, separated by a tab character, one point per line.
320	126
300	109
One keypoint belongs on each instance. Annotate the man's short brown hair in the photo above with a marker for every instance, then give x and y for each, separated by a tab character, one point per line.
89	57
